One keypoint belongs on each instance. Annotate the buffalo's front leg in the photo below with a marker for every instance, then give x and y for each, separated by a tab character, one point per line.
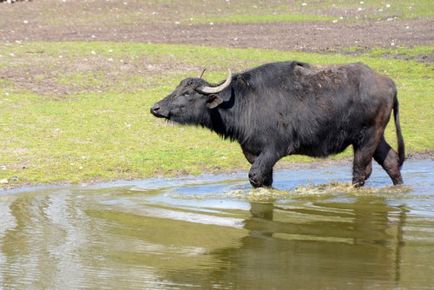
261	173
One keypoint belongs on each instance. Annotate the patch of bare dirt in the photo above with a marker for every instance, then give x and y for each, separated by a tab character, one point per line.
306	36
428	154
164	22
426	58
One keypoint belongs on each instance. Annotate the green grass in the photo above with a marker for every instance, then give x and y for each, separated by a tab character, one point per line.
406	9
320	10
372	9
106	132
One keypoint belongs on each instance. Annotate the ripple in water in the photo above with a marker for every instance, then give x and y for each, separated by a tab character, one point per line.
314	230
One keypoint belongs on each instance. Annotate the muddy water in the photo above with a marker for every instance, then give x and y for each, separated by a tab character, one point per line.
314	231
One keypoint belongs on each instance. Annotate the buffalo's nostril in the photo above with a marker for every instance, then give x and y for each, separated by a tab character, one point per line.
155	109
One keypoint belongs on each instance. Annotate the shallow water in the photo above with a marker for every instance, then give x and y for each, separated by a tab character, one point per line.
213	231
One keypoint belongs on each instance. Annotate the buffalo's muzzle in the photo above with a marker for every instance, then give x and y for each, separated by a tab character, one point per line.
158	112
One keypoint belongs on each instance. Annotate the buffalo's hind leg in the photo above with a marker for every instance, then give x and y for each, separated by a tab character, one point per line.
362	166
368	170
388	159
363	153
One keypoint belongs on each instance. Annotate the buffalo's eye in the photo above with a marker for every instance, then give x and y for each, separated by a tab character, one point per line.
181	95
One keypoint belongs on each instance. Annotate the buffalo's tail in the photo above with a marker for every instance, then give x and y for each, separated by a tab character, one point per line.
401	146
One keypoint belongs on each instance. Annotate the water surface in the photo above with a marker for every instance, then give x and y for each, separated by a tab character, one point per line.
213	231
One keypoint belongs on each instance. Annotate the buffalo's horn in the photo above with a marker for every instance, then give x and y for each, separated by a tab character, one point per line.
218	89
201	74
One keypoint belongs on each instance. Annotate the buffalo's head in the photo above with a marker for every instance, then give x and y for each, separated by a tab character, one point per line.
191	100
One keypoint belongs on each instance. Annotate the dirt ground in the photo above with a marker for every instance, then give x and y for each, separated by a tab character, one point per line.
161	22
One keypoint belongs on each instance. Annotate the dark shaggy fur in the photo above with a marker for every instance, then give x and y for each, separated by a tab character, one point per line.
286	108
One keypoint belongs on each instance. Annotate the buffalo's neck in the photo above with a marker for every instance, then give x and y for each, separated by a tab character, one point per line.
227	121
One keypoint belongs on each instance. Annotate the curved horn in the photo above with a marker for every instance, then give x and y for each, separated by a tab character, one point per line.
218	89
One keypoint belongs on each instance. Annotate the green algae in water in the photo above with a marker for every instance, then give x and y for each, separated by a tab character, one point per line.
328	189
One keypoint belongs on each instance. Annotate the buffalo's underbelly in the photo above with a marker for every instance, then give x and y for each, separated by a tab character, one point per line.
322	149
324	143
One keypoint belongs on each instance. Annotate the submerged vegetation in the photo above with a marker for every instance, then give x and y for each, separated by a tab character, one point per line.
79	111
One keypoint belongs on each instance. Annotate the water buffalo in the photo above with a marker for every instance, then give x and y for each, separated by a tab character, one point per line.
285	108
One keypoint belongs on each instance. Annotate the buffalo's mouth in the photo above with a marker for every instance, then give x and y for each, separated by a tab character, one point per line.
158	112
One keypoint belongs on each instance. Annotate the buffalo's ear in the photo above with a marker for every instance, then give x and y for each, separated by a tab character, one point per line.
213	101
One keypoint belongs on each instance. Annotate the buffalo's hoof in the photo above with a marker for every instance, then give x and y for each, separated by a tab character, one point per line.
358	184
398	181
257	180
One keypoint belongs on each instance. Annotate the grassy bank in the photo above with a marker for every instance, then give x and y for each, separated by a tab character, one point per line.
79	111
